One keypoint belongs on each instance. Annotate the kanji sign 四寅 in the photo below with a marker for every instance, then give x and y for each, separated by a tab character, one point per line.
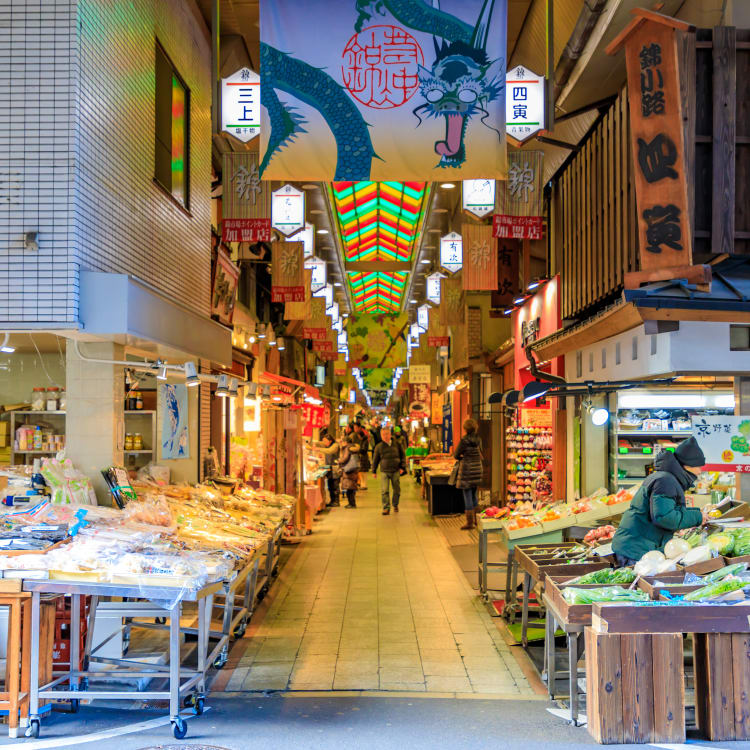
524	103
240	104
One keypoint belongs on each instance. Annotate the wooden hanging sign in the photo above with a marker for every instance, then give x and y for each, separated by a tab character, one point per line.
657	140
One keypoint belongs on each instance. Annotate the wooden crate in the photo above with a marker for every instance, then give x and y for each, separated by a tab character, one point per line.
635	687
722	685
671	618
539	565
570	614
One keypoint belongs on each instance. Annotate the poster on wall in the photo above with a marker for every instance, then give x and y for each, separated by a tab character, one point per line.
398	91
175	435
725	441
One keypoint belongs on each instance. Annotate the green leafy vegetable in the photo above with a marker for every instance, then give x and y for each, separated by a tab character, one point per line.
604	594
721	542
729	570
715	590
607	575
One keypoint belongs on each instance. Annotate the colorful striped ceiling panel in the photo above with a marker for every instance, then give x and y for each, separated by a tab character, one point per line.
379	221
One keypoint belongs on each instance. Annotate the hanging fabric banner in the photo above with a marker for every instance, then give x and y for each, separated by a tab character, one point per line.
379	378
480	257
301	310
398	91
327	348
519	198
340	366
317	326
378	340
452	306
287	272
245	203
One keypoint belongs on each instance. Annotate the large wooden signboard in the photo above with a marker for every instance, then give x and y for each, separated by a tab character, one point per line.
664	221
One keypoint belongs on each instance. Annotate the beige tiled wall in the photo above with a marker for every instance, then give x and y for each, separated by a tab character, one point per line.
95	426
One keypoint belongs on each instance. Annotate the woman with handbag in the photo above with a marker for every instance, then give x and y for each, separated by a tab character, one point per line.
470	471
349	462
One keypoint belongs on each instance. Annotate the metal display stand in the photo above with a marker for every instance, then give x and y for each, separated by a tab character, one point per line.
72	685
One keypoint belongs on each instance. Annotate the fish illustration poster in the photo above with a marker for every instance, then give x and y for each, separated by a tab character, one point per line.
175	438
383	89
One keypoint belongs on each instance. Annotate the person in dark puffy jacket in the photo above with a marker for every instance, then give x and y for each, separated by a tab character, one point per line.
470	470
658	508
390	457
349	462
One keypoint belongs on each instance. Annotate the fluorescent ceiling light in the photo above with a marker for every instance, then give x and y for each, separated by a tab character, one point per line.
447	185
322	231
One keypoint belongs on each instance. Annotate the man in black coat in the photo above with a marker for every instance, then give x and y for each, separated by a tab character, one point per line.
390	457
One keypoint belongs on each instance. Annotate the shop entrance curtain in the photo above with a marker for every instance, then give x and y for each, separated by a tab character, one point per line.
388	90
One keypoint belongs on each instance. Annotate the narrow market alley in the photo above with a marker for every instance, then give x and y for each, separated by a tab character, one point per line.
376	603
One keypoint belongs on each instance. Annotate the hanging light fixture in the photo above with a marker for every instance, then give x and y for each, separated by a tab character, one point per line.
191	375
261	331
222	391
271	336
162	373
233	388
534	390
280	344
5	346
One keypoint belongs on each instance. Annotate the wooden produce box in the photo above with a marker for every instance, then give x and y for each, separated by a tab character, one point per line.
690	617
540	566
735	509
722	685
572	614
671	582
635	687
700	569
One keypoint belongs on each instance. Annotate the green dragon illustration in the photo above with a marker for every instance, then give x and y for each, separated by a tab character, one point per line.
458	86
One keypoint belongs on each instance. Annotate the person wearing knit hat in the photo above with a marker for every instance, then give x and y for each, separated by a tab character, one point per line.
658	508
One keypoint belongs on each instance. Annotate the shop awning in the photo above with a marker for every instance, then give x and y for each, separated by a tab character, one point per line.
727	300
270	378
122	309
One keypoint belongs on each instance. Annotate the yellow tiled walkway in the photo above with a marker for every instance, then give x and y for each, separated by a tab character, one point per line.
372	602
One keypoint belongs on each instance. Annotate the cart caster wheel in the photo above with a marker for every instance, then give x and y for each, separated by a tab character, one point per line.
220	661
179	729
75	706
275	571
188	701
160	620
199	706
84	684
239	631
33	728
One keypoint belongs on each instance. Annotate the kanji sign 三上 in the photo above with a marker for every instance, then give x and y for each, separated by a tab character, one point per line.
240	104
480	257
656	125
287	272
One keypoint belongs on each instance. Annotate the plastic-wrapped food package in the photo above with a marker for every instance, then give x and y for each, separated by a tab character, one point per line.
604	594
66	483
153	510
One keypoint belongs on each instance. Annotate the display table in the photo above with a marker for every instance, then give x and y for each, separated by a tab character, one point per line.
184	681
443	499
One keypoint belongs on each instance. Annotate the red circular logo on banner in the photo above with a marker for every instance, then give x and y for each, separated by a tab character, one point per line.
380	66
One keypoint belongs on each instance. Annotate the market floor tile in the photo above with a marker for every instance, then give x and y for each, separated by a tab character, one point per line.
372	602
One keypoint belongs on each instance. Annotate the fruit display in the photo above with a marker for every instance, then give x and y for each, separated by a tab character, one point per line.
529	452
600	535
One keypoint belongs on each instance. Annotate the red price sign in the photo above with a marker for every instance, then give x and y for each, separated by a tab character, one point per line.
517	227
246	230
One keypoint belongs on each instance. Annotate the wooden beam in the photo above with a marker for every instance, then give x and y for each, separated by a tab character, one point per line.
724	135
703	316
641	16
618	320
700	274
368	266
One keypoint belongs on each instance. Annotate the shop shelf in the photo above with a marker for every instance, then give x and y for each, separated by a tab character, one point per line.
147	450
40	453
634	456
23	413
653	433
139	411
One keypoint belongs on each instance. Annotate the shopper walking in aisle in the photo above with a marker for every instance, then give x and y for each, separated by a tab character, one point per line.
468	453
400	437
331	451
391	458
658	508
349	462
375	432
363	436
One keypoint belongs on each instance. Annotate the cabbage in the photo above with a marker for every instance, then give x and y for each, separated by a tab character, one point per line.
654	555
676	547
647	567
721	543
697	555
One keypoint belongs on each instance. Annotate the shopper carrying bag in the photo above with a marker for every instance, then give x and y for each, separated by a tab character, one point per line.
469	470
349	462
